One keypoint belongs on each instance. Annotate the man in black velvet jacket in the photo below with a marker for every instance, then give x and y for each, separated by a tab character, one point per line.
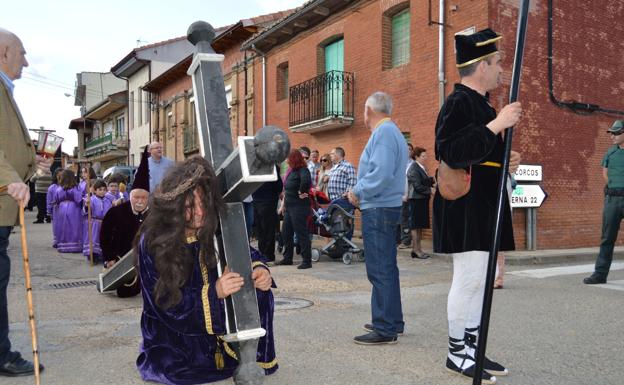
469	136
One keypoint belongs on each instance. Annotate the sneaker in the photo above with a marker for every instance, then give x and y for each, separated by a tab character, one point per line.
486	378
369	328
594	279
374	338
18	367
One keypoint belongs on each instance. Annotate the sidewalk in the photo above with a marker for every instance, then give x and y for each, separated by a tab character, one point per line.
519	257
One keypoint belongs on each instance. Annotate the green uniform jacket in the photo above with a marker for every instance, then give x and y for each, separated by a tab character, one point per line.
17	154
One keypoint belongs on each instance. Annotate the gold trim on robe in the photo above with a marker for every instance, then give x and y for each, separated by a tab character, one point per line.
204	294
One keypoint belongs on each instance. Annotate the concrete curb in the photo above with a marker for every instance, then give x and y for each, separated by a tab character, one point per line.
522	257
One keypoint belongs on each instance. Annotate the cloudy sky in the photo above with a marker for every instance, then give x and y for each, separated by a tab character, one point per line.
65	37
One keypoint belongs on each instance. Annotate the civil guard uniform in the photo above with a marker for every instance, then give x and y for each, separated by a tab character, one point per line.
613	211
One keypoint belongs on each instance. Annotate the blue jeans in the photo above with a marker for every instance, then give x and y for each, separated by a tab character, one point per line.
5	273
379	232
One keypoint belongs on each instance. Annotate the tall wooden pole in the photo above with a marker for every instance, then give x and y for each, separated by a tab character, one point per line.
502	189
89	220
29	297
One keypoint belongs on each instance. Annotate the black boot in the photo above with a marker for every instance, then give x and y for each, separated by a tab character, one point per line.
284	262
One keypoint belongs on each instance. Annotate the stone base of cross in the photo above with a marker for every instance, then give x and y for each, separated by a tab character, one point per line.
240	172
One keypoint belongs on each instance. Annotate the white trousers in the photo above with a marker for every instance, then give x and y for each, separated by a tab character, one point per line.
465	299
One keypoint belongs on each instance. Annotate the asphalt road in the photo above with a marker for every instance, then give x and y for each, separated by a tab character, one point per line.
552	330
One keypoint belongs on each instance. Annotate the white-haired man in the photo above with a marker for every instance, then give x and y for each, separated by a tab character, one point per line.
379	194
158	164
17	164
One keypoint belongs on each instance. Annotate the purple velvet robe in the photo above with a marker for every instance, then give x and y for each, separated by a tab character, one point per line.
52	206
68	218
99	207
178	347
114	197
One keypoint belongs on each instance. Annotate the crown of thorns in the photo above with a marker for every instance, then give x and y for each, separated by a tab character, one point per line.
181	188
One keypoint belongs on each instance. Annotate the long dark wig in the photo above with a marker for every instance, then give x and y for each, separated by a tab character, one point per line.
164	228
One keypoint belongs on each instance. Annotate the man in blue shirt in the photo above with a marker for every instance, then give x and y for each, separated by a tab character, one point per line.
379	193
158	165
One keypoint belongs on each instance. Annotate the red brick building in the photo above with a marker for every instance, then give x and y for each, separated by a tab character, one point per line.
323	61
173	114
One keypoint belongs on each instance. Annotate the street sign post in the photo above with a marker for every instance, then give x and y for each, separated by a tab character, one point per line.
527	195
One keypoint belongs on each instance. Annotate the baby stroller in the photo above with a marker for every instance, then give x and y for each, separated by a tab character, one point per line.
334	222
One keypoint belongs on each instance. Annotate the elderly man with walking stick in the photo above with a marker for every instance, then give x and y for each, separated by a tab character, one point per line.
17	164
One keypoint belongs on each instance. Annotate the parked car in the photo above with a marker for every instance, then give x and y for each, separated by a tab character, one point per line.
128	171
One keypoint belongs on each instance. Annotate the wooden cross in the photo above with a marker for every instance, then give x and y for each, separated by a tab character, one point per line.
240	172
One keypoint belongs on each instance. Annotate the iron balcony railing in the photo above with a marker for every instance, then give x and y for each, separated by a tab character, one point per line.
191	140
328	95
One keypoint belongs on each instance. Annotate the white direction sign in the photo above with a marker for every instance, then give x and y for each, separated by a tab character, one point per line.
527	195
529	172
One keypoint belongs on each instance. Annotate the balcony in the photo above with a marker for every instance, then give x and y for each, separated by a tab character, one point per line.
191	140
322	103
107	147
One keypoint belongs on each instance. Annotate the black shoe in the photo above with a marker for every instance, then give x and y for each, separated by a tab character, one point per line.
283	262
594	279
492	367
374	338
304	265
38	221
298	249
369	328
18	367
421	256
486	378
280	249
48	220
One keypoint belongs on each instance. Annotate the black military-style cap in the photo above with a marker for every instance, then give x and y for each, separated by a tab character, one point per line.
472	48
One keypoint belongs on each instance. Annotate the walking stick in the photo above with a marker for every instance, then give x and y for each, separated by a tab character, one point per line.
491	271
29	297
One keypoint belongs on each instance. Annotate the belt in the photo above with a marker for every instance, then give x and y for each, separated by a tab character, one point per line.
617	192
491	164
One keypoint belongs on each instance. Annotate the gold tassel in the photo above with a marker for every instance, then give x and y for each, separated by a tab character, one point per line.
219	362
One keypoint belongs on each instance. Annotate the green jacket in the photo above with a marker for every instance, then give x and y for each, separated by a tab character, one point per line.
17	154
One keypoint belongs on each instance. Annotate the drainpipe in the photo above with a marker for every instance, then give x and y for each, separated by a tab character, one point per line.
441	78
256	50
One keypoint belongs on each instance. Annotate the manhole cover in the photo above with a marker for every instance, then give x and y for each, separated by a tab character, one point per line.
285	303
69	285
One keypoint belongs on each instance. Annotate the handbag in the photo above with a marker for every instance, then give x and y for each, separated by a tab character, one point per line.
452	183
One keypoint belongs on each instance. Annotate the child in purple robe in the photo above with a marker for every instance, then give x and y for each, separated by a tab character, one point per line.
86	173
51	203
114	194
68	216
99	206
183	320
